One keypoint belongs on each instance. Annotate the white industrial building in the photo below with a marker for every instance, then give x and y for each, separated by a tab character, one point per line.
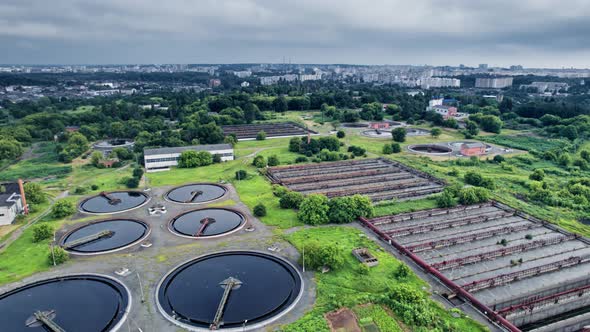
161	159
11	203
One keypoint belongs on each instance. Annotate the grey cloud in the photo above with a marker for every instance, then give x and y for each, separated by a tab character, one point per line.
531	32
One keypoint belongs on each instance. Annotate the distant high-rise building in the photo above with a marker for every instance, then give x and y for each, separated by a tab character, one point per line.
483	66
493	82
516	67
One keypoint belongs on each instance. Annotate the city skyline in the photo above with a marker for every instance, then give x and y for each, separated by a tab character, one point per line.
535	34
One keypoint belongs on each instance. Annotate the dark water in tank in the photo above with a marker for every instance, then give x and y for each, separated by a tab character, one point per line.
88	305
183	194
126	232
190	223
99	204
193	291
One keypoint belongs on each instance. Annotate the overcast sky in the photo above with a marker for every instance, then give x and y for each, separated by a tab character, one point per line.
534	33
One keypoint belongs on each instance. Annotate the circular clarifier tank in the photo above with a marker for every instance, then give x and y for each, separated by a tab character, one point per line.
243	286
113	202
105	236
433	149
73	303
196	193
210	222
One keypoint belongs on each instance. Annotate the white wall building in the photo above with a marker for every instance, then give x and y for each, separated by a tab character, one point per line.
161	159
493	82
11	203
439	82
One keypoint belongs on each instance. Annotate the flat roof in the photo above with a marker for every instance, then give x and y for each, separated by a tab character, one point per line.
180	149
11	189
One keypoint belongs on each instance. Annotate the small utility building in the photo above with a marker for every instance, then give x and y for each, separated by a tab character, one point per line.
161	159
473	149
11	203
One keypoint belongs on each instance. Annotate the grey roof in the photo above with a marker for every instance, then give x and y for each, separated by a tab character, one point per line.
180	149
474	145
11	188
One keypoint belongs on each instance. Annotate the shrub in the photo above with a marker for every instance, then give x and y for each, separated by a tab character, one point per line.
402	271
537	175
80	190
216	158
301	159
279	191
42	232
241	174
62	208
132	183
260	210
475	179
399	134
261	136
340	134
313	210
94	187
57	255
137	172
499	158
291	200
273	160
363	269
396	148
446	199
34	193
473	195
259	162
318	255
387	149
356	150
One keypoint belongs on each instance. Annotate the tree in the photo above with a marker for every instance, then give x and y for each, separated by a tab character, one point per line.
188	159
585	154
291	200
340	134
537	175
273	160
489	123
446	199
473	195
260	210
435	132
318	255
280	104
10	149
564	159
399	134
204	158
57	255
471	128
95	158
295	144
396	148
261	136
498	158
387	149
132	182
241	174
231	140
259	162
475	179
137	172
314	210
342	210
42	232
34	193
62	208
